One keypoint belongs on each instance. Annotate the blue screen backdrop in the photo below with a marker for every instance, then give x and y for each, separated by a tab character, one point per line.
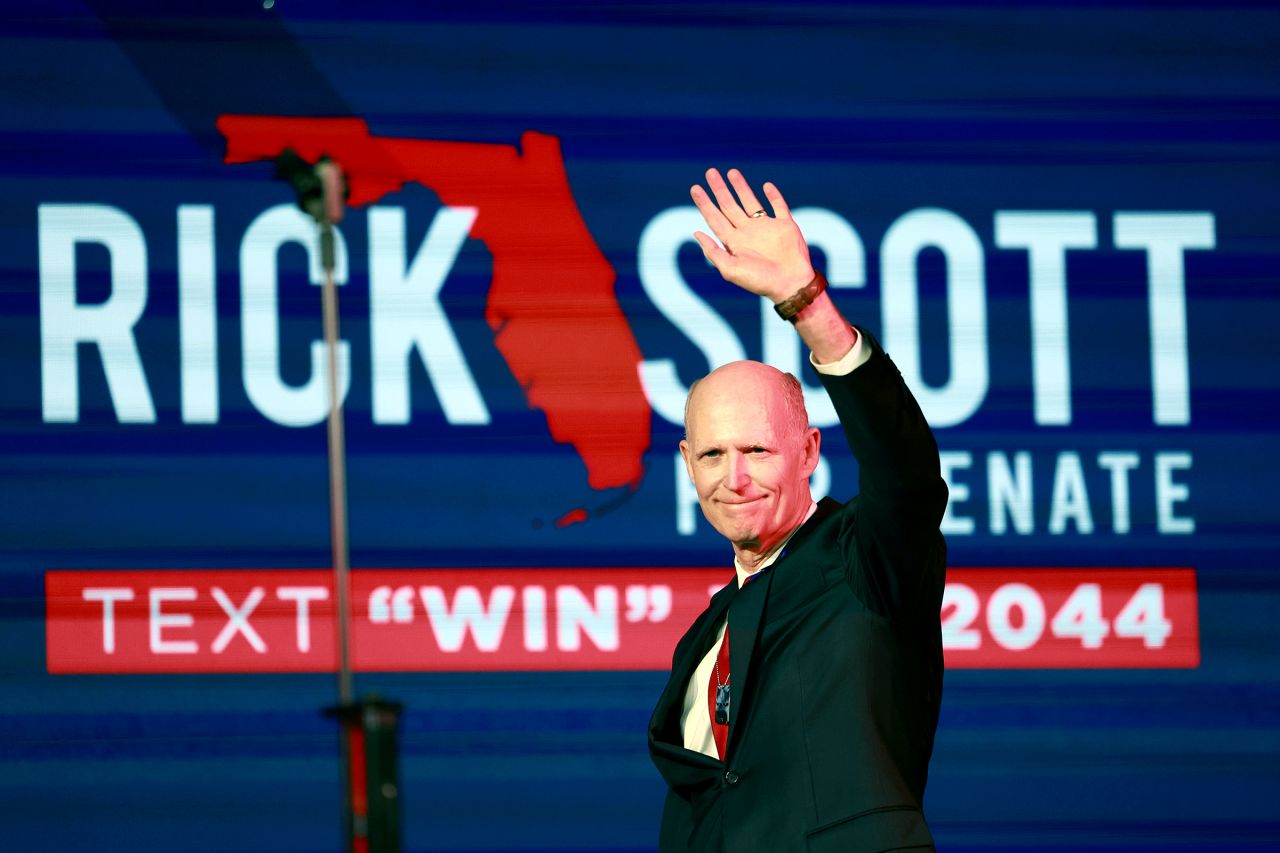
880	119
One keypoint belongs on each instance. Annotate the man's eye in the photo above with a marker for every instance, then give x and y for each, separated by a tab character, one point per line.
711	454
758	450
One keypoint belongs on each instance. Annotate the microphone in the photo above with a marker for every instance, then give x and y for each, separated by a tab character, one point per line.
321	187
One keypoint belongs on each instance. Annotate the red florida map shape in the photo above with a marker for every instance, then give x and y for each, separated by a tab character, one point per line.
551	304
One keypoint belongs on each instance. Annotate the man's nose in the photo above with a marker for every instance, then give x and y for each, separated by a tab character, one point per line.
737	477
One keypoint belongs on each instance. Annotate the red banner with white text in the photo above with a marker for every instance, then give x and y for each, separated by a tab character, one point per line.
431	620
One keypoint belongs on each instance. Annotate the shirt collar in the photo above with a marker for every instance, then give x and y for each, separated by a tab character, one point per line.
744	575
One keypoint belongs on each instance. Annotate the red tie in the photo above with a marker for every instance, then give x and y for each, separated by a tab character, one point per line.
719	678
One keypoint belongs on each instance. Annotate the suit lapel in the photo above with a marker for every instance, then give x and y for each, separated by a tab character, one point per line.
745	613
666	720
745	608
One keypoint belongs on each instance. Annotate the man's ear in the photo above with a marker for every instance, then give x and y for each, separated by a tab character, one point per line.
811	450
687	453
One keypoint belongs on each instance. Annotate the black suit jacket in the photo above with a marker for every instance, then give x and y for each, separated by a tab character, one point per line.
836	652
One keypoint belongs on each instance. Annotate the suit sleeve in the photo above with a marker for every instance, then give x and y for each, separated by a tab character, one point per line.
893	548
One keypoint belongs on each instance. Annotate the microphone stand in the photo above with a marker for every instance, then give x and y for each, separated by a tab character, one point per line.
368	744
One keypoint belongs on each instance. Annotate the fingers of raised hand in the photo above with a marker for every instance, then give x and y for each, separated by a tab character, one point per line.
710	247
715	220
776	201
748	198
719	257
728	204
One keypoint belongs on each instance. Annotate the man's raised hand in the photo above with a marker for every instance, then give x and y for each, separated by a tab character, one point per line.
764	254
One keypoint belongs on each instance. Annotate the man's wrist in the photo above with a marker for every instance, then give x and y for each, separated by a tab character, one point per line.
790	307
858	353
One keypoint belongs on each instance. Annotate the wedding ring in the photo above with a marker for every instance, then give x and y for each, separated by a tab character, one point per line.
758	214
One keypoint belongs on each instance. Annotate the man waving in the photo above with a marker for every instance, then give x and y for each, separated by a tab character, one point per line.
802	704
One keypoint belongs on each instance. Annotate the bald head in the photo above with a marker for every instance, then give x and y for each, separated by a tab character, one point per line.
737	381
